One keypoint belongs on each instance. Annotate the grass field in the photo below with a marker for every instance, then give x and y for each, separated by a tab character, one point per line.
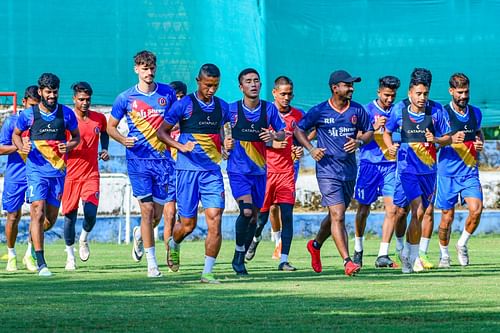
112	293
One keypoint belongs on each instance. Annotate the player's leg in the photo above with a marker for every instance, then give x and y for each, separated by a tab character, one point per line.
90	196
12	201
11	230
170	213
286	236
427	228
274	217
446	199
70	200
383	259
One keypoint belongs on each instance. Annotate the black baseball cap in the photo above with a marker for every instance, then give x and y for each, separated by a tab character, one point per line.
342	76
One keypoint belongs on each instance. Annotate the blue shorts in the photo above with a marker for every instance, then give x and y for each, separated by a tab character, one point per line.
196	186
13	196
296	168
409	187
172	185
149	178
449	188
49	189
335	192
255	185
374	180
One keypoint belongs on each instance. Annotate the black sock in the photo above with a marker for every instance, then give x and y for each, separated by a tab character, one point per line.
346	260
241	229
261	223
69	227
40	259
317	245
250	234
287	227
90	213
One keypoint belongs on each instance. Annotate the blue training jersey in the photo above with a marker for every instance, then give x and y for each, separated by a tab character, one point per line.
417	157
15	170
144	113
376	151
332	130
44	158
460	159
250	157
206	154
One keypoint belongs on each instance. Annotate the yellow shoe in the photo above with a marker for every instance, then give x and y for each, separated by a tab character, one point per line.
30	262
5	257
11	264
425	261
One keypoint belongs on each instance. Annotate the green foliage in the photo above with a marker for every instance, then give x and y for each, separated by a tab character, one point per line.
111	293
491	133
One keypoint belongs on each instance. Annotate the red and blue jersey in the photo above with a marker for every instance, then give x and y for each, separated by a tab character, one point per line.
144	113
333	128
376	151
15	170
44	158
249	157
417	157
461	159
206	154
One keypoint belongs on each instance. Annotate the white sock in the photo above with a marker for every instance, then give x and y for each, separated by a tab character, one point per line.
462	241
11	252
384	249
209	264
358	244
83	236
413	252
138	235
276	236
151	256
257	239
284	258
406	250
240	248
400	243
444	251
424	244
70	252
172	244
28	250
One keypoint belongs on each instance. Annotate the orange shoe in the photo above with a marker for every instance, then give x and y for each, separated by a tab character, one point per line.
277	252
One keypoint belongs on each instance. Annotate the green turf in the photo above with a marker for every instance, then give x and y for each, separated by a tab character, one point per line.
112	293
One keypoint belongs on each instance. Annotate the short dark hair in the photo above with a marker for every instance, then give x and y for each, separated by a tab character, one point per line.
32	92
48	80
145	57
247	71
282	80
459	80
82	86
389	81
422	74
179	86
209	70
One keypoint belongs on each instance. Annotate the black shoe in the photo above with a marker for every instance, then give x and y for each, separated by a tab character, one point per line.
251	250
238	263
285	266
357	258
384	261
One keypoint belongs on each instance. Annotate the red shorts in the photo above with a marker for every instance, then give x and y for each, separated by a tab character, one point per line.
280	188
87	190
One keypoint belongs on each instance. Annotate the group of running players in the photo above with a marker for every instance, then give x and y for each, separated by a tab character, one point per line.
175	144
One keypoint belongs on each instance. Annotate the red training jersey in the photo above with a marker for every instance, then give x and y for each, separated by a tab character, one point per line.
82	161
280	160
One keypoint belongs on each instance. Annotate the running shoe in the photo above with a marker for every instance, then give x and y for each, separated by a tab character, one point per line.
138	248
84	251
463	255
351	268
315	257
209	278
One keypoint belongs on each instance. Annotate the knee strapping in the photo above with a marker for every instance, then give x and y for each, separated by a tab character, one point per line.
245	205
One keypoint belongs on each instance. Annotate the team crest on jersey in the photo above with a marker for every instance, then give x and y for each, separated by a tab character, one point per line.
162	101
96	194
293	124
354	119
96	130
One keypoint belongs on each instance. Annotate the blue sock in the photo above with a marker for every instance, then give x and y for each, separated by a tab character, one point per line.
40	259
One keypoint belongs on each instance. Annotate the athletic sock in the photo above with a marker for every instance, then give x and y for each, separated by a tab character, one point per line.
424	245
151	257
384	249
317	245
400	243
257	239
84	235
209	264
29	249
276	236
11	252
172	244
240	248
444	251
40	259
464	238
406	250
358	244
413	253
346	260
70	252
284	258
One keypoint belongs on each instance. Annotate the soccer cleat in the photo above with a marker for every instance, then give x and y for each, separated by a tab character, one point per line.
277	252
153	272
209	278
251	250
44	272
138	248
424	258
418	266
84	251
315	257
406	266
285	266
397	256
238	263
463	255
70	264
4	257
385	261
29	262
444	262
357	258
173	257
11	264
351	268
